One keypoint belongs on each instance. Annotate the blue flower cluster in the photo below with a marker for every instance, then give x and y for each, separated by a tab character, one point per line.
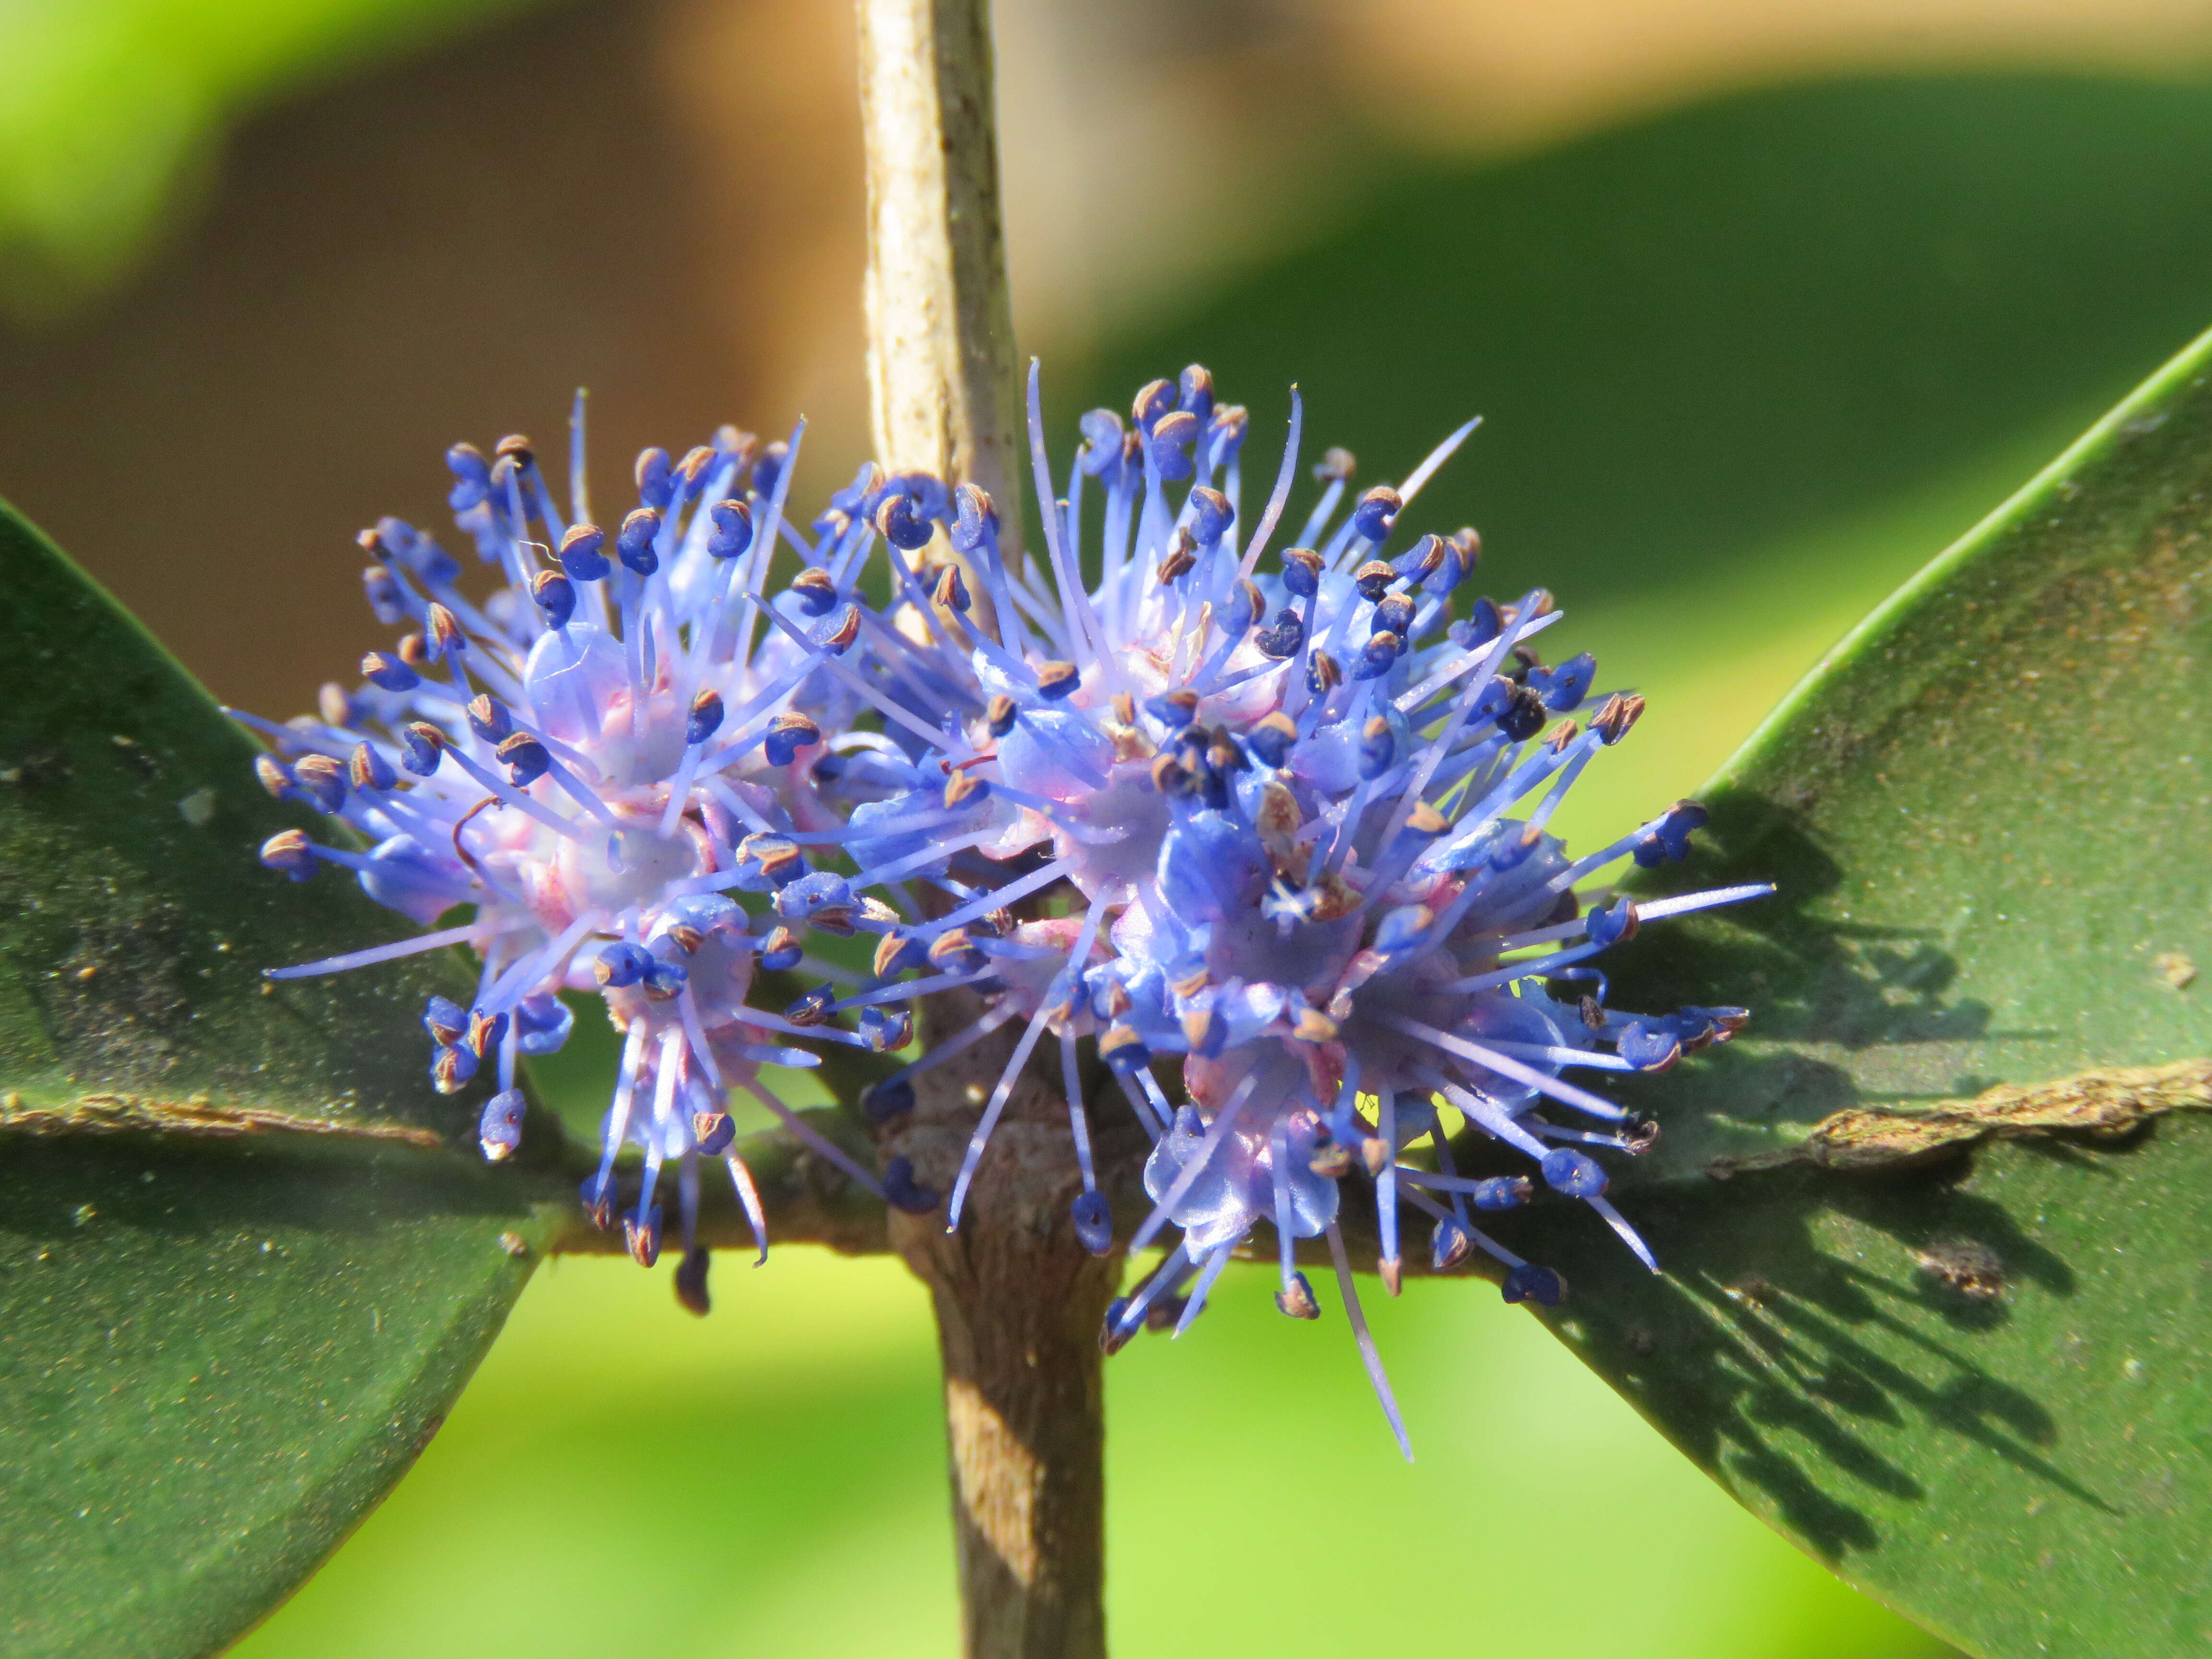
1288	824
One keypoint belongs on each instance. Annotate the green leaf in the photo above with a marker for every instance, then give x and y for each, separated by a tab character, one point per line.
1953	1342
247	1256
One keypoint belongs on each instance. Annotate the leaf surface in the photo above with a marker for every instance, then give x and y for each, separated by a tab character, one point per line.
247	1256
1965	1370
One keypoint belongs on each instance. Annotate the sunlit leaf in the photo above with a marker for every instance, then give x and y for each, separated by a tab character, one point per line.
1951	1341
247	1257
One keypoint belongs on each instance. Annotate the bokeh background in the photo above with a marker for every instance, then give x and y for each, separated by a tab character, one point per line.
1763	305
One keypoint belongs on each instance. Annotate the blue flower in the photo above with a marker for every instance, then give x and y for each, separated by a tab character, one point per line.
1274	810
587	761
1301	816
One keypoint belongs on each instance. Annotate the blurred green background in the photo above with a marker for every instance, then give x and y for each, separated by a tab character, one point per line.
1747	355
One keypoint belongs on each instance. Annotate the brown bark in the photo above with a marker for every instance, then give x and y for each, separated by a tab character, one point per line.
1019	1305
943	377
1018	1301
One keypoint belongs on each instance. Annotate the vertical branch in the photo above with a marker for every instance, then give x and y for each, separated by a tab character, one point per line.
942	375
1018	1301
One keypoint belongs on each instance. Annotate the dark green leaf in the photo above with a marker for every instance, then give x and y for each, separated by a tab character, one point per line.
1973	1378
247	1256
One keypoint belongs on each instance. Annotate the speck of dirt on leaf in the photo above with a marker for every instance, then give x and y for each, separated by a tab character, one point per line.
135	755
1963	1266
513	1243
198	809
1751	1291
2176	969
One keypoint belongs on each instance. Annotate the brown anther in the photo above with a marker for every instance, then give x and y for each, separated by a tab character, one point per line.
1118	1002
1313	1026
1191	984
483	1031
1278	816
1375	1153
1392	1273
601	1208
1184	700
1593	1013
952	949
1251	601
1431	550
951	592
517	447
1303	558
1130	743
1425	820
1457	1246
1170	777
445	629
999	714
1621	712
963	788
1198	1029
811	1009
845	633
1056	679
1324	672
1151	401
271	776
320	770
414	653
888	949
1281	726
445	1072
688	939
1373	580
780	940
1543	605
797	728
693	467
814	581
1334	896
1336	466
1178	564
774	855
1561	735
361	770
514	748
1297	1300
1124	708
1469	546
1330	1160
1117	1038
691	1281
